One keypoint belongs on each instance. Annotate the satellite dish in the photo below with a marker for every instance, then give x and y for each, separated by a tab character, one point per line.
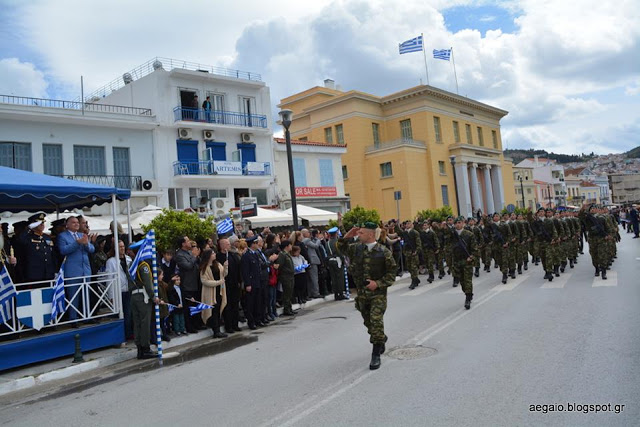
126	78
157	65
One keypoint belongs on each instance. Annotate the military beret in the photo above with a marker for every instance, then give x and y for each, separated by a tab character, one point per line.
549	210
251	240
333	230
370	225
471	218
460	218
450	217
540	209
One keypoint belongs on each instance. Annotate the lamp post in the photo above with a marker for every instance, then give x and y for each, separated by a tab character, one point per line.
455	180
549	192
285	118
522	189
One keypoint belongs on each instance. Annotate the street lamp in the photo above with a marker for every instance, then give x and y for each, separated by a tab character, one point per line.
455	180
285	118
522	188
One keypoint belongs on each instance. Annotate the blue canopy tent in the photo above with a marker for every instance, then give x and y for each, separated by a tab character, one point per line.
27	191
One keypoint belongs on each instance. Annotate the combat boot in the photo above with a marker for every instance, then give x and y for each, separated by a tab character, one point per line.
556	270
604	274
597	271
467	301
563	265
375	357
430	279
519	268
575	260
477	272
487	268
571	263
526	265
455	282
504	278
537	261
441	274
513	273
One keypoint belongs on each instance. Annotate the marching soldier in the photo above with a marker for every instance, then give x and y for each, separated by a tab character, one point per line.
544	235
430	248
512	250
485	226
555	244
412	245
439	228
525	240
448	234
477	233
598	233
142	299
374	270
463	250
500	236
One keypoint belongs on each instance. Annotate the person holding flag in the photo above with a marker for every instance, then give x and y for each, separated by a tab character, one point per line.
142	296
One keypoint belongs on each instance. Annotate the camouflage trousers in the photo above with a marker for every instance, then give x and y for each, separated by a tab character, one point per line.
486	254
412	263
372	309
533	249
463	271
501	256
429	259
545	252
512	252
477	256
598	249
448	258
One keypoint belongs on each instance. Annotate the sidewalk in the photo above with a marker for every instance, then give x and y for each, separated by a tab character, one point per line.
46	372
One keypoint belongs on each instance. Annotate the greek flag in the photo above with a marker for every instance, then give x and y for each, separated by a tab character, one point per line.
58	302
171	307
413	45
198	308
444	54
300	267
145	252
7	292
224	226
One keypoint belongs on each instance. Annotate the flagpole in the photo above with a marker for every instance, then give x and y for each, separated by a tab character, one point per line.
453	59
424	52
154	269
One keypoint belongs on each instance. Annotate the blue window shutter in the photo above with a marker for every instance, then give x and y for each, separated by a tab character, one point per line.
52	159
218	150
299	172
326	172
248	153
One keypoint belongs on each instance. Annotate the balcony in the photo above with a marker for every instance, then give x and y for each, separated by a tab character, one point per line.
130	182
221	168
395	144
219	117
74	105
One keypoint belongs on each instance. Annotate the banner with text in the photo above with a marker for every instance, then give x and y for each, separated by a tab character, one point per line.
316	192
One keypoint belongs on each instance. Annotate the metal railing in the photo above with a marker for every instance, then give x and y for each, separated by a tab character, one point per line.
396	143
74	105
95	297
219	117
212	167
131	182
170	64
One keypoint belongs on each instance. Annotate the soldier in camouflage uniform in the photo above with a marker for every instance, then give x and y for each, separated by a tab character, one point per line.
526	239
615	233
555	244
412	246
430	248
448	234
544	234
500	237
598	234
512	250
373	270
520	235
485	227
564	244
439	230
463	253
477	233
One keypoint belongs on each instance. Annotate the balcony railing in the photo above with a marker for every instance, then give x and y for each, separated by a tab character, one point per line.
74	105
396	143
214	167
120	181
219	117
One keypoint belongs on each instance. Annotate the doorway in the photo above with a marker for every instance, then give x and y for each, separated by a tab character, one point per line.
239	193
189	112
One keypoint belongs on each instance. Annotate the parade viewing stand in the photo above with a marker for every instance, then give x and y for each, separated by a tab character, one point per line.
31	335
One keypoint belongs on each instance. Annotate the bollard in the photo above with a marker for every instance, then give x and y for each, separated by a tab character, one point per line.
77	356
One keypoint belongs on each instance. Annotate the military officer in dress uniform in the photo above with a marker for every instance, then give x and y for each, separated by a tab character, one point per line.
463	256
142	300
374	270
38	255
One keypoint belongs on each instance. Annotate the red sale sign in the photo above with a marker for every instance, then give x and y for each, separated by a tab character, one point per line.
316	192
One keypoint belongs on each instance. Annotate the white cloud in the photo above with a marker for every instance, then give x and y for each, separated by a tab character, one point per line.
21	79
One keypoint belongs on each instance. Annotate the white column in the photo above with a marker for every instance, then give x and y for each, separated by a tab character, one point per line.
488	189
464	194
498	187
476	201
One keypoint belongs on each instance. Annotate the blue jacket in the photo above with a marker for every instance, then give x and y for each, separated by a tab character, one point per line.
250	268
77	264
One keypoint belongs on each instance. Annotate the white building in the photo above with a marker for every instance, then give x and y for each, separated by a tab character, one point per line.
547	172
602	181
317	171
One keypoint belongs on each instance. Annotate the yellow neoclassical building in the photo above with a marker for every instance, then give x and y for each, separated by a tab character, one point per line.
411	141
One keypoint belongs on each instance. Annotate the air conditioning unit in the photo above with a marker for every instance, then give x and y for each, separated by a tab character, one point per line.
221	207
246	137
184	133
244	201
149	185
207	135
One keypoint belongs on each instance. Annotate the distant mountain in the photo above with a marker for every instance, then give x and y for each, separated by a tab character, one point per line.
519	155
633	154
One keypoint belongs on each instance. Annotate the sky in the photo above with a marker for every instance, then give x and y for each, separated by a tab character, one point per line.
568	72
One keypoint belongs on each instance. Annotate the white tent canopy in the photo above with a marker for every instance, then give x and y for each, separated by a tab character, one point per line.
315	216
270	218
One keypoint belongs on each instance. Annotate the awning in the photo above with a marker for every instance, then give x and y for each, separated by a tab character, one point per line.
315	216
270	218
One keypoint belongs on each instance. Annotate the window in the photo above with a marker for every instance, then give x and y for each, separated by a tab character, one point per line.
175	198
436	126
121	167
339	134
89	160
494	138
261	195
345	172
52	159
299	172
385	169
441	168
248	109
304	138
467	128
456	132
326	172
445	195
213	193
328	135
16	155
375	128
405	130
528	191
480	138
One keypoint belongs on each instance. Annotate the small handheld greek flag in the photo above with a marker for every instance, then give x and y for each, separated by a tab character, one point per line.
300	267
198	308
145	252
171	307
58	302
443	54
7	292
224	226
412	45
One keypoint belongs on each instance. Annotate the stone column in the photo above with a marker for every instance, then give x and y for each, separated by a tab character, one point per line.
476	201
464	193
488	189
498	187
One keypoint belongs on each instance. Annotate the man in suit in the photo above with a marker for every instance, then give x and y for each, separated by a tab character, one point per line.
335	264
189	276
76	247
286	271
250	268
232	282
312	245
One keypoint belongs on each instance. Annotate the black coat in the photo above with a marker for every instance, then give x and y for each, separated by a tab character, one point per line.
189	274
234	276
250	267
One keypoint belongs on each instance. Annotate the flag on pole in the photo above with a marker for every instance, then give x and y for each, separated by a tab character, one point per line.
198	308
224	226
58	302
171	307
443	54
7	292
412	45
145	252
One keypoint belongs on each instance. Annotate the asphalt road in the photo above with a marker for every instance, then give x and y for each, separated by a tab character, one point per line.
574	341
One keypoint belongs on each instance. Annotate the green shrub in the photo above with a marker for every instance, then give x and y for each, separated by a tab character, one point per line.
170	225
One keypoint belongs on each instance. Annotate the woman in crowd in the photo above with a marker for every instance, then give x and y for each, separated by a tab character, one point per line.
212	275
121	266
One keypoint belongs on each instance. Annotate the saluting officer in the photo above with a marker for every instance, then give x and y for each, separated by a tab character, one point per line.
142	299
39	258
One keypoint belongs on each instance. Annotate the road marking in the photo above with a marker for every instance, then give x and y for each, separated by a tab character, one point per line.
612	280
513	283
558	282
424	288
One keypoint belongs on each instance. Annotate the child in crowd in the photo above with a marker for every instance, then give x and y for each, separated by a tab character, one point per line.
163	295
175	298
168	264
300	276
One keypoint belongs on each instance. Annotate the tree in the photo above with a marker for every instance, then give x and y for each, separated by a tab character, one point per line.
170	225
358	215
439	214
